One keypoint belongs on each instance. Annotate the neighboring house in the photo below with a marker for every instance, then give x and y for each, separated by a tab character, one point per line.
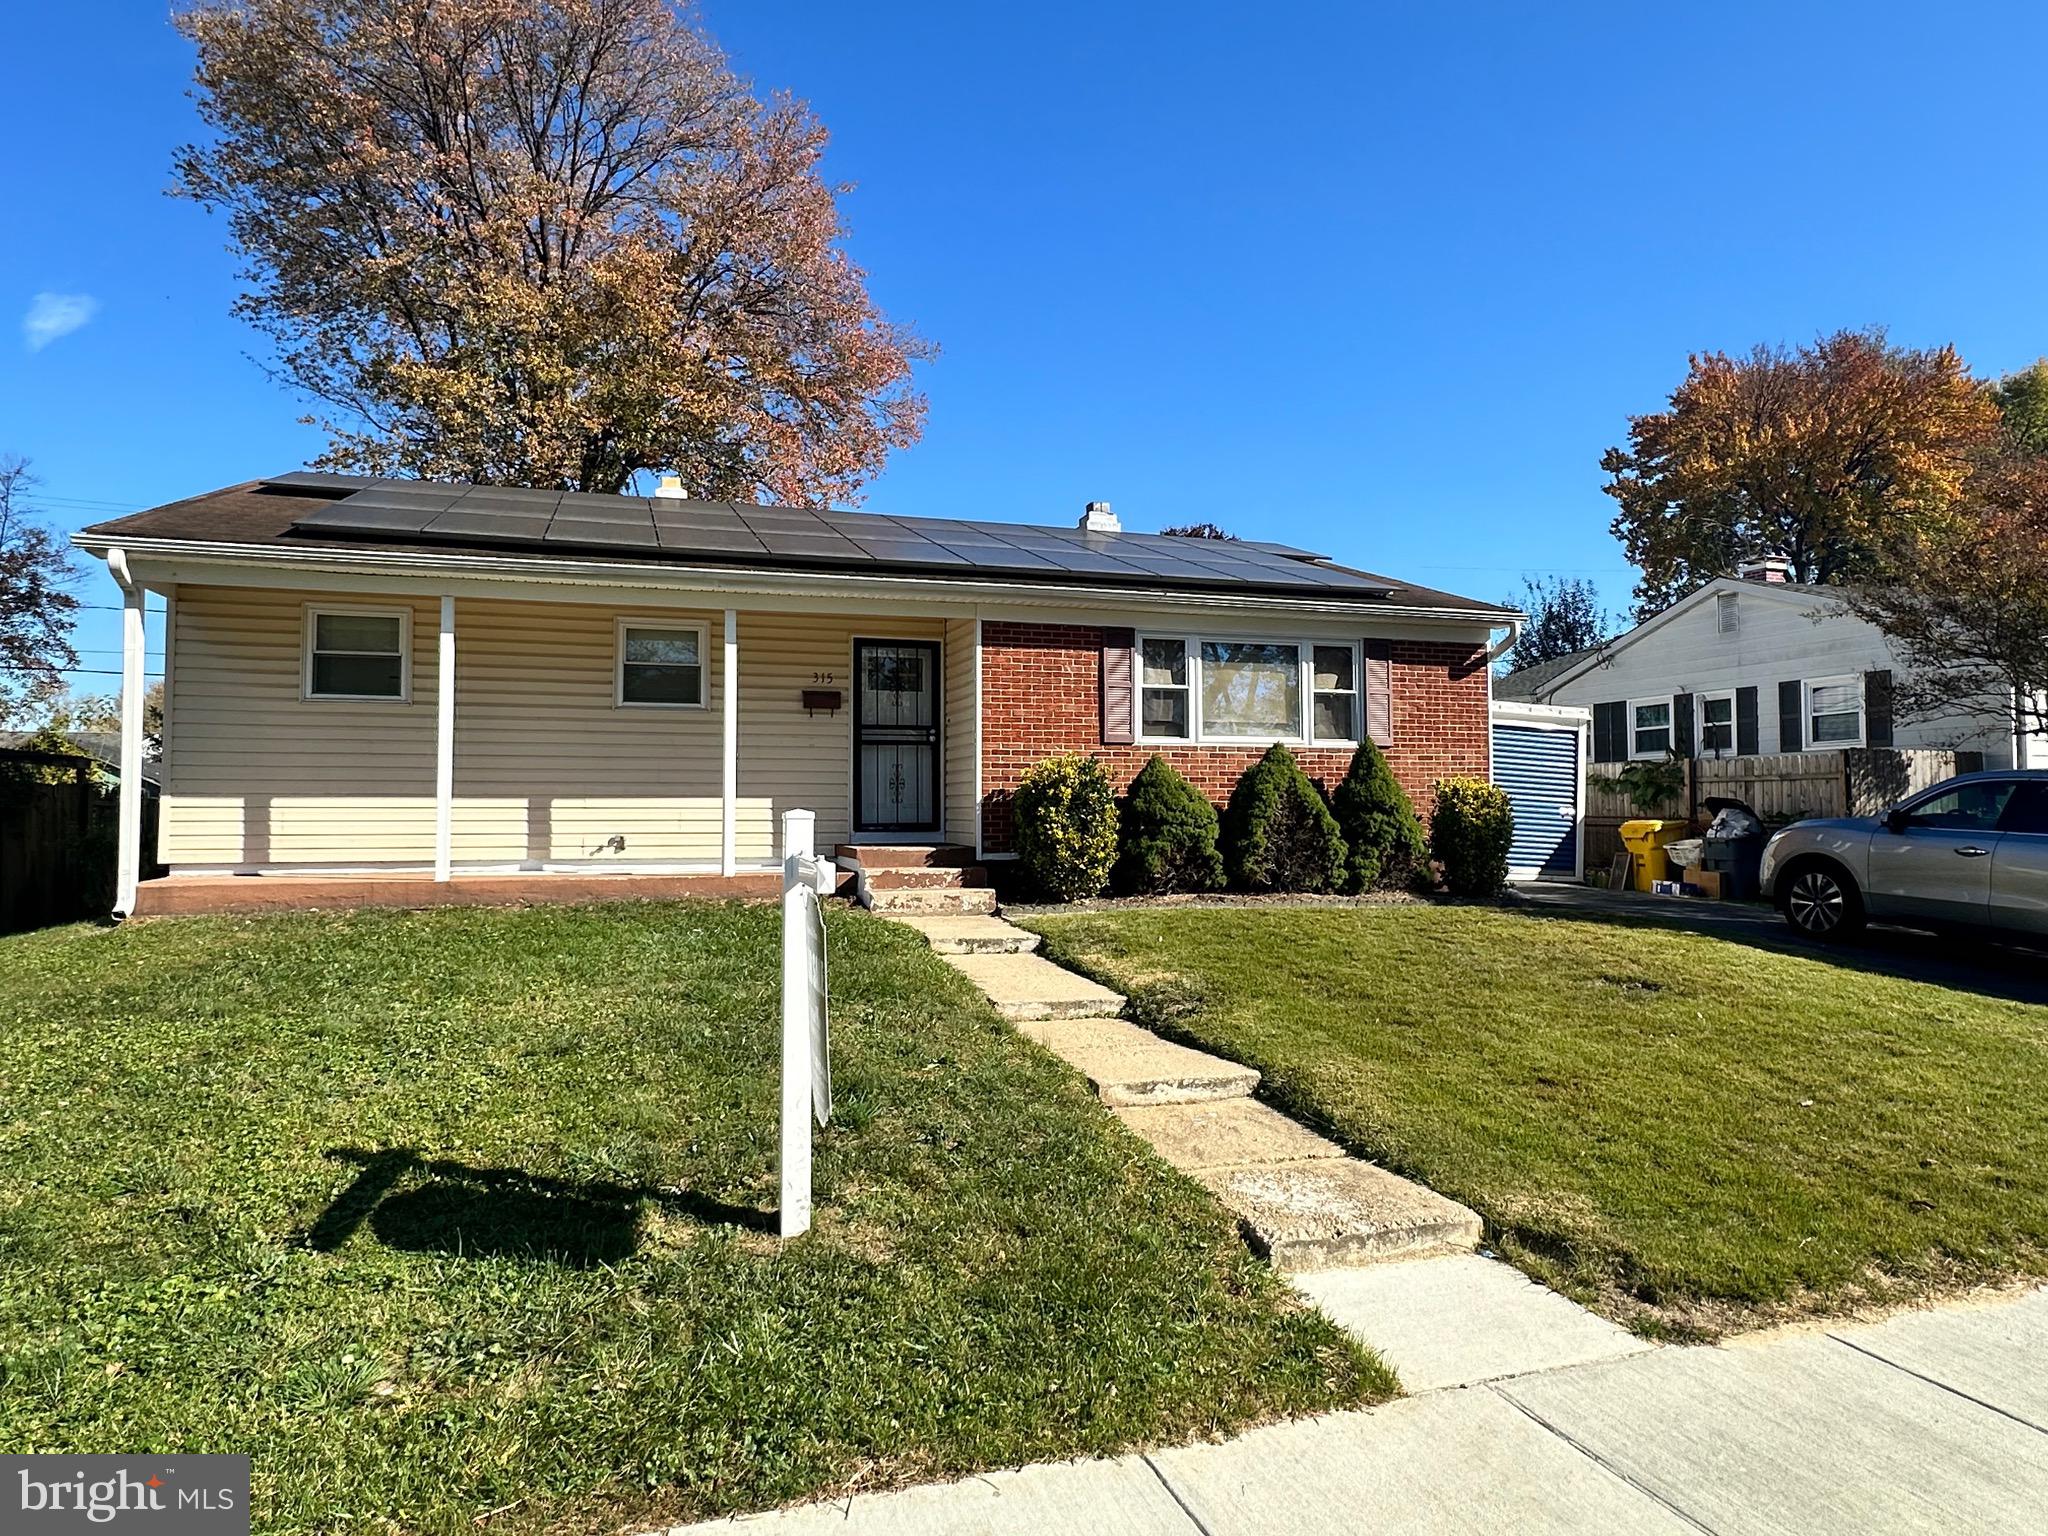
647	683
1749	664
103	747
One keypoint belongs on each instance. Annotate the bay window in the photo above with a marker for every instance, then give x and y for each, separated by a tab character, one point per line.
1192	688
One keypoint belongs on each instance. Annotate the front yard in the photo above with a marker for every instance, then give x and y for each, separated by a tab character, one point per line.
458	1221
1692	1134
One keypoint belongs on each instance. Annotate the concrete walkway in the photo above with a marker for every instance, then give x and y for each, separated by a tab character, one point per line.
1933	1421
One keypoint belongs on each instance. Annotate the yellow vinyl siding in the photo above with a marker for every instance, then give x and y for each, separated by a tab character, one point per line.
790	760
961	740
548	768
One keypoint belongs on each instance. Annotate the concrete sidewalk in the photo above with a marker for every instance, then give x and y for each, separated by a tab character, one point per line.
1931	1421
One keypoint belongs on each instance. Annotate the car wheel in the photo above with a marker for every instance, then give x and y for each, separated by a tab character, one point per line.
1821	902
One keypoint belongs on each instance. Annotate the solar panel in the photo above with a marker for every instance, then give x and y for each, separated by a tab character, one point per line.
738	533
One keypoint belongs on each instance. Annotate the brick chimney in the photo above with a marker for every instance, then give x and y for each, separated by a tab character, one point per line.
1099	519
1773	570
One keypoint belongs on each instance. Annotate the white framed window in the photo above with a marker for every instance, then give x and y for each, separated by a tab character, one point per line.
1251	690
358	653
1164	698
660	666
1649	723
1195	688
1333	704
1834	711
1716	723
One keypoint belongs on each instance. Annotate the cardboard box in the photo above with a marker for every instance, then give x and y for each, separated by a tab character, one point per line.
1709	882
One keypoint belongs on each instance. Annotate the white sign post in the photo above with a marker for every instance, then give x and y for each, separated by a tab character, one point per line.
806	1051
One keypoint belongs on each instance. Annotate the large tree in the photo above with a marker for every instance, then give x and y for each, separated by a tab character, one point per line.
37	608
1564	616
543	242
1963	594
1818	455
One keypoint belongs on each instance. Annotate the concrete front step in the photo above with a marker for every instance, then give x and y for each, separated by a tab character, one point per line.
969	934
924	878
1027	987
1226	1133
946	900
905	855
1335	1212
1131	1066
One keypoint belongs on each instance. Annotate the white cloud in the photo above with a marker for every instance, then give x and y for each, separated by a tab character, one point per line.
51	315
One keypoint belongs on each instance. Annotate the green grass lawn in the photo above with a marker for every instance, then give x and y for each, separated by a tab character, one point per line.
1695	1134
460	1214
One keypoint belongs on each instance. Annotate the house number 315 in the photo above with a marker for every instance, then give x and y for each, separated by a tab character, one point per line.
824	677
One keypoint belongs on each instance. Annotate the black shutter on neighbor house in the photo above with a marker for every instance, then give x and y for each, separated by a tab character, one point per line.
1379	690
1681	724
1877	708
1119	687
1745	722
1610	733
1791	712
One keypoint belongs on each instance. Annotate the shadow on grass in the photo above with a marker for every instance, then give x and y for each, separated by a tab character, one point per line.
1961	962
454	1207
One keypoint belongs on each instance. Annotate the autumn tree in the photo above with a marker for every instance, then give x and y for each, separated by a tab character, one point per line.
543	242
1963	595
37	607
1818	455
1564	616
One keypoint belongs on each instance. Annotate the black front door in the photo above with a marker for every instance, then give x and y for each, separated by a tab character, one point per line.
895	736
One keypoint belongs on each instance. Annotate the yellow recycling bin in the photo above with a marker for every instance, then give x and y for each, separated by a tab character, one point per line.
1645	839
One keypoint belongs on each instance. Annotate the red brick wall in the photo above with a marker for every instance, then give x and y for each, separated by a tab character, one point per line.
1041	694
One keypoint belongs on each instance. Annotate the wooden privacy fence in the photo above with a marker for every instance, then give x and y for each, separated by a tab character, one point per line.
1780	787
57	840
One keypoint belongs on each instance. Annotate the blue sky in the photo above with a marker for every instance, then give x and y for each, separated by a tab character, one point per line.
1381	280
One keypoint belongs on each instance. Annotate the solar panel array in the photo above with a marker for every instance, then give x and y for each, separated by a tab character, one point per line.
736	533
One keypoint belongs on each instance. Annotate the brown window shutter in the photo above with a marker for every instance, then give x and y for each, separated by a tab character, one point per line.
1379	690
1119	692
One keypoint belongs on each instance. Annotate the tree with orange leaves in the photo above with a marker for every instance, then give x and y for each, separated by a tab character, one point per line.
543	242
1817	455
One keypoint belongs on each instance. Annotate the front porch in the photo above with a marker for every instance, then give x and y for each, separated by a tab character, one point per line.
586	750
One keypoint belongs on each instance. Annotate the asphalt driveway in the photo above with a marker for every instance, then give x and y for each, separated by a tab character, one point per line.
1990	969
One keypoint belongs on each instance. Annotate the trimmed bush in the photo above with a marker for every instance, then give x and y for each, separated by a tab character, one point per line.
1166	835
1066	826
1277	833
1469	831
1382	833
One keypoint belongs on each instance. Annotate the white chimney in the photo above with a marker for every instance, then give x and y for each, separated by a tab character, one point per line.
1099	519
1774	570
670	488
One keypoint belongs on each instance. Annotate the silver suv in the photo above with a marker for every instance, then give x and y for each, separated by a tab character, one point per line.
1970	853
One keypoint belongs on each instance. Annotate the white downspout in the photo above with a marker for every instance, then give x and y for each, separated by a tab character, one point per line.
1506	642
128	858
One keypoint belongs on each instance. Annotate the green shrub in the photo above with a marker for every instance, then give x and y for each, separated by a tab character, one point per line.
1469	831
1166	835
1277	833
1381	830
1066	826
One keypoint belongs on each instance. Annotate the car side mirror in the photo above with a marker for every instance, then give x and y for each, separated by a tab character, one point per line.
1895	822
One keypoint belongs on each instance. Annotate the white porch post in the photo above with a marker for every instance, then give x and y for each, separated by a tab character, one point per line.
444	747
728	858
128	860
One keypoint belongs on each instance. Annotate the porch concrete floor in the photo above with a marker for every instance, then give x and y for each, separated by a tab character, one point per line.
188	895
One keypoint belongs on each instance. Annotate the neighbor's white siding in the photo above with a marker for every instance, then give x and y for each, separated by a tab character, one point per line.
1776	639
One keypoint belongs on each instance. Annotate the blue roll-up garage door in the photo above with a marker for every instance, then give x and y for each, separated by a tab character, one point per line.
1539	769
